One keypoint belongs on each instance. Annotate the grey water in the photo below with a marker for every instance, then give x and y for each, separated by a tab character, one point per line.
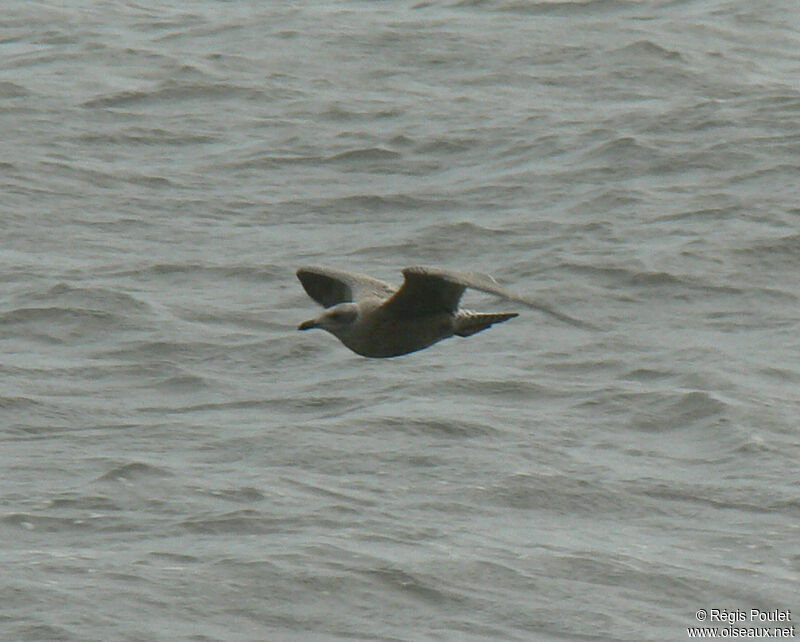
179	463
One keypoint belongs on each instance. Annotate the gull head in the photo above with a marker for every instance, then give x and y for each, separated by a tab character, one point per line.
336	320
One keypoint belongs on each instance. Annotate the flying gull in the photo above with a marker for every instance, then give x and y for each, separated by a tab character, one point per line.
375	319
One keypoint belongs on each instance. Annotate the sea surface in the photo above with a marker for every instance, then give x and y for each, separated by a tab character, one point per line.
179	463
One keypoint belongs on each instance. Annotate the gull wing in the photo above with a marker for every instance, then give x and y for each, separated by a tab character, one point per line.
427	290
330	287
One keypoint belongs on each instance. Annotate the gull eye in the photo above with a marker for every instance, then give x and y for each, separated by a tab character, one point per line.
342	315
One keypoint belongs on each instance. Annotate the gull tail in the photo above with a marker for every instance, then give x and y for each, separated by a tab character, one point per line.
469	323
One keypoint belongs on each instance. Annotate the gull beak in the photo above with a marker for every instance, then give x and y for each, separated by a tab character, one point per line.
308	325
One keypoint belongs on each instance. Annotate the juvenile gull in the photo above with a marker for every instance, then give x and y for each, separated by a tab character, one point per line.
374	319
